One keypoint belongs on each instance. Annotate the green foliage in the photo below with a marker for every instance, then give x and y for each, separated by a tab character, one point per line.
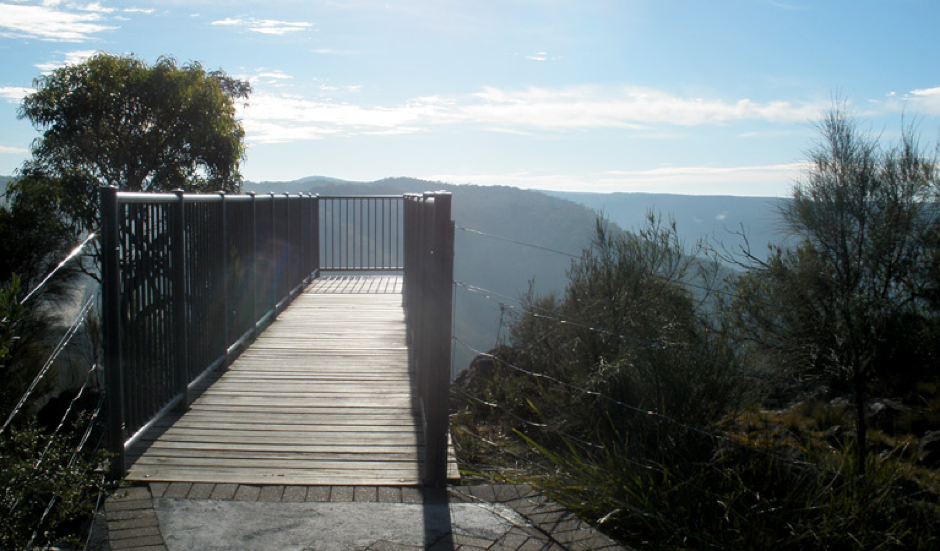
852	302
114	120
744	497
21	349
11	315
117	121
38	468
631	333
47	490
623	400
36	232
629	355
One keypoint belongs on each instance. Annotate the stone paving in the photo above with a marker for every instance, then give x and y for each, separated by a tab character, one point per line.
536	523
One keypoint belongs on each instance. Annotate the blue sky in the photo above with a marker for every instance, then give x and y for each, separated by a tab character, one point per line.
673	96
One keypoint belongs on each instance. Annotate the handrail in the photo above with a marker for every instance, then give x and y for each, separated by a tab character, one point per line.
429	273
362	233
186	280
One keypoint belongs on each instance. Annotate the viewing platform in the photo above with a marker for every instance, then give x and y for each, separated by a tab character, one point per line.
322	397
277	375
278	339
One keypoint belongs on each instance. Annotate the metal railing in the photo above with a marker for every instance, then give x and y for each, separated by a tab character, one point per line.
428	279
362	233
186	280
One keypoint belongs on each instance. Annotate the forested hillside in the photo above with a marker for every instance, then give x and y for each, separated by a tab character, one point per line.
722	221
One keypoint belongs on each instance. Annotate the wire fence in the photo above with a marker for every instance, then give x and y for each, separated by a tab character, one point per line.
63	428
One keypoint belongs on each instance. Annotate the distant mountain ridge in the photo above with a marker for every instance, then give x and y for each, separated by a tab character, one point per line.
718	220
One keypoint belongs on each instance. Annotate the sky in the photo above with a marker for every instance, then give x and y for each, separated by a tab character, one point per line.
713	97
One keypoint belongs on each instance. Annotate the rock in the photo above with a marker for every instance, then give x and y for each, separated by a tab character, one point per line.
929	449
884	415
481	369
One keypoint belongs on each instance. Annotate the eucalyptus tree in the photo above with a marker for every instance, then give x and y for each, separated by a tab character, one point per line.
117	121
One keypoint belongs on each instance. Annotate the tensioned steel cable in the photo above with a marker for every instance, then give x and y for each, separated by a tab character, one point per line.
517	242
66	339
75	252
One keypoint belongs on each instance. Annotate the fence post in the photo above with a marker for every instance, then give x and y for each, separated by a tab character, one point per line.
274	256
253	268
289	246
441	274
226	277
111	318
177	221
304	237
315	237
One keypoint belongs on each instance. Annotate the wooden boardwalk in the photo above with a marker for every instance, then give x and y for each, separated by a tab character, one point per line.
322	397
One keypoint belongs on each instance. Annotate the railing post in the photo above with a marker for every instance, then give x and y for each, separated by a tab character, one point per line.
274	260
111	318
315	267
304	237
288	255
226	306
253	268
441	275
177	221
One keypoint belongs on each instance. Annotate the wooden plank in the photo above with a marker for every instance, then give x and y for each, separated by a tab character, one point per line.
287	438
297	448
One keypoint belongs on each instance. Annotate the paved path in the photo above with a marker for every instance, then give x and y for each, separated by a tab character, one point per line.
183	516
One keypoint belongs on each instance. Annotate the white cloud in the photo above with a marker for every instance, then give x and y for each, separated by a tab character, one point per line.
71	58
5	149
628	107
282	118
265	26
48	22
542	56
331	51
96	8
145	11
925	100
272	75
14	94
267	78
228	22
511	111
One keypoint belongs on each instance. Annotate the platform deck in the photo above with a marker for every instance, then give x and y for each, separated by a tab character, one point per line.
322	397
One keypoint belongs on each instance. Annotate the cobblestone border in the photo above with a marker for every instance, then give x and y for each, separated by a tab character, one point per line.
133	526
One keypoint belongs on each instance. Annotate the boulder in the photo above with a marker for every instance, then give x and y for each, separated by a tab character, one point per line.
929	449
